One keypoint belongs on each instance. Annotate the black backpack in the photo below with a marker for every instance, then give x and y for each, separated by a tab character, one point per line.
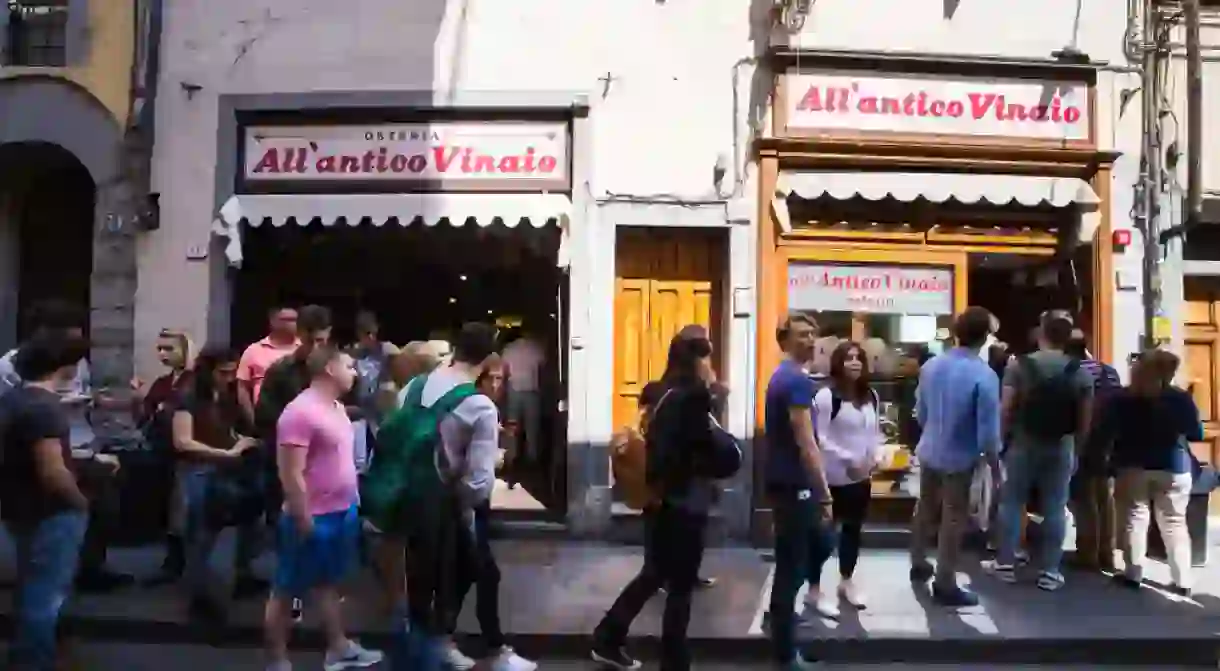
1049	405
836	402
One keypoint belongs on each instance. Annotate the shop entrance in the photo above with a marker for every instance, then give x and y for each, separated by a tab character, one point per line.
1018	288
423	283
46	232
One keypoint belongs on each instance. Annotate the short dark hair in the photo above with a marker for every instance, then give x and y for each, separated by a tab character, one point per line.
45	353
1057	331
475	342
1077	346
313	318
366	322
972	327
55	315
794	317
321	357
279	306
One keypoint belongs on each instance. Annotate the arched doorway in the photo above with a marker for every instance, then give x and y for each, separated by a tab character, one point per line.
47	199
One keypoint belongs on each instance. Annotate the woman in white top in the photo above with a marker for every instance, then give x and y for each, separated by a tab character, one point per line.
849	436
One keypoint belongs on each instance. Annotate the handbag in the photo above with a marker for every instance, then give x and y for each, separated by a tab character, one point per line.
234	497
726	453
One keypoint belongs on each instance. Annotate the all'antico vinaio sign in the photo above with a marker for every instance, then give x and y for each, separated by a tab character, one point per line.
942	105
506	153
870	288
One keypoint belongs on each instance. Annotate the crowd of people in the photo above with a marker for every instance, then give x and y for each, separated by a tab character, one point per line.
277	438
390	455
1050	430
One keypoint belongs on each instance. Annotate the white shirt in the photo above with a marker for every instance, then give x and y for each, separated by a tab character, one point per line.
852	438
524	358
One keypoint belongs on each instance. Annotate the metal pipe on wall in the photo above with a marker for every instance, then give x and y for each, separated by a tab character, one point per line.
1194	115
1150	173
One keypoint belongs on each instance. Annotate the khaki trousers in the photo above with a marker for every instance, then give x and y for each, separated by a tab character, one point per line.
943	510
1166	494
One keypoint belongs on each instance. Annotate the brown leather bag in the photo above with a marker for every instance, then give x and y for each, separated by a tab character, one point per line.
629	463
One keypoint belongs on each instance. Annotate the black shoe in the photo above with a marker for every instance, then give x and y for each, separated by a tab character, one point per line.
248	586
613	657
704	583
206	611
922	572
1122	580
954	597
101	580
1180	591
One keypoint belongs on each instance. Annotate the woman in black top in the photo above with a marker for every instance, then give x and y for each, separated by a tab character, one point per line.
205	429
679	446
1149	426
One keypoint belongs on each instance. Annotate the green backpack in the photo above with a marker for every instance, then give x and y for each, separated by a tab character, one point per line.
403	470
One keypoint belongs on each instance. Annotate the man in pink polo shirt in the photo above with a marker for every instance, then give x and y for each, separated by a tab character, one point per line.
281	341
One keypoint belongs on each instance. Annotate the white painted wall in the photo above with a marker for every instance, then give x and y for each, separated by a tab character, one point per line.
1018	30
1007	28
659	77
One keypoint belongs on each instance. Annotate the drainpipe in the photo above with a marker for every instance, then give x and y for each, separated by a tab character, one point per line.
1194	116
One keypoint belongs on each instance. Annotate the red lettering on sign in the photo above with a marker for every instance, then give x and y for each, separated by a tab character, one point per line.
925	104
445	159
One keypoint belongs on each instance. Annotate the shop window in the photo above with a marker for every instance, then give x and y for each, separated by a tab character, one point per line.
900	316
37	33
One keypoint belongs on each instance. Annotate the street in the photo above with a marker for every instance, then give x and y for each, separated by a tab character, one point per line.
197	658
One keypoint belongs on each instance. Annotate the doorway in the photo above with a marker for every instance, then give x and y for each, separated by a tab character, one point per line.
423	283
664	279
46	233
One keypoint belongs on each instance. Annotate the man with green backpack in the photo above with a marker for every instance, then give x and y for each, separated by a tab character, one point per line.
435	462
1047	402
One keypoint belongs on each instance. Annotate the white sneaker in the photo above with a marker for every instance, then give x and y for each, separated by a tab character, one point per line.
850	595
508	660
454	658
822	606
352	657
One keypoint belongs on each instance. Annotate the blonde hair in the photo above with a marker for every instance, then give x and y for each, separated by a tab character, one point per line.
419	357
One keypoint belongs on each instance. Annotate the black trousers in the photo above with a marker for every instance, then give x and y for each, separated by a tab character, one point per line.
432	571
103	489
477	567
673	550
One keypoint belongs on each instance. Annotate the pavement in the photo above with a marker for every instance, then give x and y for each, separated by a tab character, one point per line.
554	592
136	657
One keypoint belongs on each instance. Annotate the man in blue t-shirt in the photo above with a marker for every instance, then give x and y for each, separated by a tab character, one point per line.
796	483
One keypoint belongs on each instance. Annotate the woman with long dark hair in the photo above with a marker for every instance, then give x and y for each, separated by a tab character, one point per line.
848	428
680	450
205	429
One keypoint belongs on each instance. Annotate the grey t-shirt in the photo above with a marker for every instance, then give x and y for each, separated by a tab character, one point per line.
1048	363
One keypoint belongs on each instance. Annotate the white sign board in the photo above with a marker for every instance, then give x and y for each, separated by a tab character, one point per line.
840	100
870	288
503	153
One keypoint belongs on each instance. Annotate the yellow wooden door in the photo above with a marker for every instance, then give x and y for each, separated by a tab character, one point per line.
1201	363
665	281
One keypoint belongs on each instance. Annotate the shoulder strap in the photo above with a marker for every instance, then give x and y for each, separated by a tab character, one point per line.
836	403
415	392
453	398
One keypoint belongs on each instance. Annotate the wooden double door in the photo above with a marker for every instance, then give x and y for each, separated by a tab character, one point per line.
1201	361
664	279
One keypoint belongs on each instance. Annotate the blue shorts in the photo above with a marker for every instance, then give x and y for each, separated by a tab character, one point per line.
323	559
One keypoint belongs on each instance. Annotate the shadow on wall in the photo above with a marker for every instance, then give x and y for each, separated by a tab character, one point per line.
950	7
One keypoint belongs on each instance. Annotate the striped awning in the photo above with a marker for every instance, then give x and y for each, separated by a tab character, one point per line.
428	209
939	187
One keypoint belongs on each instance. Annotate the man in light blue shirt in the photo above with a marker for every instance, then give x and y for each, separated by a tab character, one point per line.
958	407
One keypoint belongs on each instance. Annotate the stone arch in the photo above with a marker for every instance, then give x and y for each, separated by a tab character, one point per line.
60	112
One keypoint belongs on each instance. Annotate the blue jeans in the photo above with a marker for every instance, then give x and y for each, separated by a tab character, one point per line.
803	542
200	539
47	558
1050	470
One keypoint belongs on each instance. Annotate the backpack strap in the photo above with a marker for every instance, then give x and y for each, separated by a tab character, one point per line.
445	405
836	401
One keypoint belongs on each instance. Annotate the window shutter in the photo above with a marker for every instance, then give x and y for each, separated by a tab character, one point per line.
76	40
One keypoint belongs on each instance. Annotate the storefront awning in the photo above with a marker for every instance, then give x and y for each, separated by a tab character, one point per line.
939	187
485	209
